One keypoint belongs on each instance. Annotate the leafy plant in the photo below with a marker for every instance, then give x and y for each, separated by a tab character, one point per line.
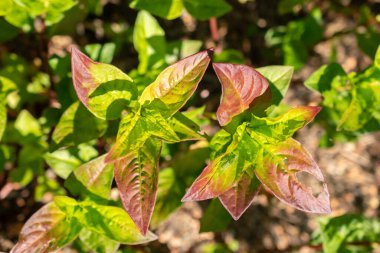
252	150
347	233
351	101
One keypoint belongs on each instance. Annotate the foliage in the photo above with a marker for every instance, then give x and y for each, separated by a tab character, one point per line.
351	101
127	147
347	233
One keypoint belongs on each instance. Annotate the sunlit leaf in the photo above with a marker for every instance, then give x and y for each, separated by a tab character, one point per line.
279	78
169	9
241	84
77	125
285	125
136	176
149	41
96	176
321	80
62	162
104	89
110	221
175	85
47	230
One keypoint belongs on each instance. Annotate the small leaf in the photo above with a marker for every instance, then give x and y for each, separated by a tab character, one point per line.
277	171
185	128
279	78
47	230
238	198
241	84
204	10
110	221
62	162
221	174
104	89
149	41
96	176
322	79
136	176
77	125
175	85
169	9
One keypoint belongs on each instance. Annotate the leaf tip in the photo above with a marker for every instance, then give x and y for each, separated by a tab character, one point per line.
210	52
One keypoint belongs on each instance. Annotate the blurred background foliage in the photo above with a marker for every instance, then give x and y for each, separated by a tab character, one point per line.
45	134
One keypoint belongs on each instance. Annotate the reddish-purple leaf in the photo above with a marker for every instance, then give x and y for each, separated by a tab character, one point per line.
278	174
47	230
237	199
241	84
99	85
136	176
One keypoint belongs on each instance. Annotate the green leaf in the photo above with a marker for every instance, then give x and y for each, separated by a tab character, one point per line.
338	232
185	128
112	222
175	85
77	125
219	143
215	218
284	126
149	42
169	9
104	89
47	230
102	53
279	78
96	176
204	10
27	125
136	176
322	79
63	162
